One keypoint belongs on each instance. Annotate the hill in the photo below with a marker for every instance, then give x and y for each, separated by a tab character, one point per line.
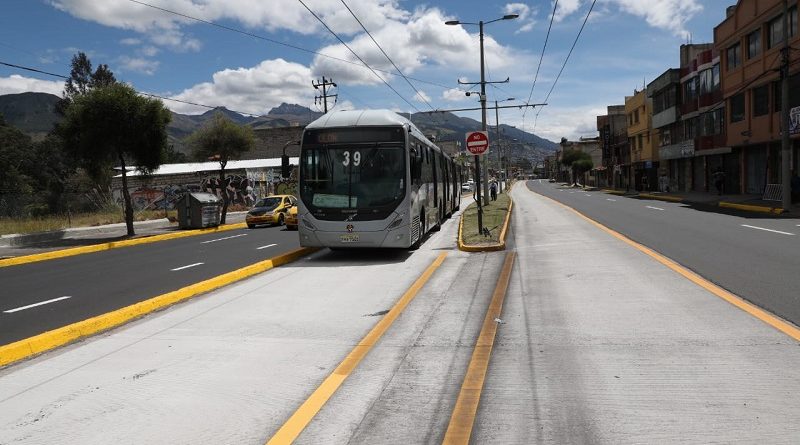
34	114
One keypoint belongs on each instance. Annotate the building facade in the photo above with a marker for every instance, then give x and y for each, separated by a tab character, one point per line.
673	151
749	42
644	159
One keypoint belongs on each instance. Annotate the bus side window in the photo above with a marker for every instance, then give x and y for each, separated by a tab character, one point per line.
416	165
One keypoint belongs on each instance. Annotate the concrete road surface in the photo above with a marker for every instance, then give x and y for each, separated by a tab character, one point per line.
597	343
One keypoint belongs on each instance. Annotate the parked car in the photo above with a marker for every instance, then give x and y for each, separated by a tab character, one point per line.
466	187
291	218
270	210
552	180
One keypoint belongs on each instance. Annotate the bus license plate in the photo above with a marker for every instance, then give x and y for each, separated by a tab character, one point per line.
349	238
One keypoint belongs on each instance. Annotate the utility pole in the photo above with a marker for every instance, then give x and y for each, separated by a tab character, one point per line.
786	149
324	98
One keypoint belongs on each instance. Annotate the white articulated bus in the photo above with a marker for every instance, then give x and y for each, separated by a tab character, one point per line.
370	178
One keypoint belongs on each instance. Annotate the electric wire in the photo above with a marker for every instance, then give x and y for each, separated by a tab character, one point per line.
276	42
138	92
421	96
357	56
565	62
541	58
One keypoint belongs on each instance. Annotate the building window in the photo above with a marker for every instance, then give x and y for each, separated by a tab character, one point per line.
737	108
792	21
689	129
640	142
715	77
734	56
664	100
775	26
665	138
636	116
754	44
690	90
761	100
706	81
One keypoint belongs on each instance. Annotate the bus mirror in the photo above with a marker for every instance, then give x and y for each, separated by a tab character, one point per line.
286	169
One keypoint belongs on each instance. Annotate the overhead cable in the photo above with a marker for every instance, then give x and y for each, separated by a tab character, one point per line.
357	56
419	94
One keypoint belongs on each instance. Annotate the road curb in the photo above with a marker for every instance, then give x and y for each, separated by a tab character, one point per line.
489	247
614	192
112	245
38	344
751	208
660	197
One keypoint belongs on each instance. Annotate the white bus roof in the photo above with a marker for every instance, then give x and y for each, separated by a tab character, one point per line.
354	118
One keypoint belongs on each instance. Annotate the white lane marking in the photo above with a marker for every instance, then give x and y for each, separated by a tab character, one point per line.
221	239
11	311
186	267
264	247
609	199
588	194
768	230
654	208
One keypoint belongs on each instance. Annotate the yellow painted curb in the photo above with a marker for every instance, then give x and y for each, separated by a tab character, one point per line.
614	192
751	208
112	245
661	197
46	341
490	247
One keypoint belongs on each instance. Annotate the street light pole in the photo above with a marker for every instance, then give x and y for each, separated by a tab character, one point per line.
499	147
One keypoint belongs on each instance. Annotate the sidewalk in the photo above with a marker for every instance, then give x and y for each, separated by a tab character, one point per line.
27	244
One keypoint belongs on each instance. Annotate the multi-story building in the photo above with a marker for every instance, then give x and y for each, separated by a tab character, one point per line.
644	159
613	140
592	147
703	117
750	41
674	153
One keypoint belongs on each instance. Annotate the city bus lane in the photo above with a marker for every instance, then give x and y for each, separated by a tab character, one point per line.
604	343
227	367
100	282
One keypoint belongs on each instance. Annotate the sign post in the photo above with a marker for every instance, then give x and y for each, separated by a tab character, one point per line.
477	144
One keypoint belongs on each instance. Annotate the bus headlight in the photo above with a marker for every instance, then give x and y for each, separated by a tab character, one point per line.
396	223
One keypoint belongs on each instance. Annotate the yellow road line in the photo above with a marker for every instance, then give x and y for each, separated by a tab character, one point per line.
461	421
46	341
768	318
306	412
112	245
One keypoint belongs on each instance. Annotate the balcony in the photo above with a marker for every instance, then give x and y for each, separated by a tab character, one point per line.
665	117
683	149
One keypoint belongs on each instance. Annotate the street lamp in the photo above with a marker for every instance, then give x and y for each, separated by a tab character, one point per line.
478	171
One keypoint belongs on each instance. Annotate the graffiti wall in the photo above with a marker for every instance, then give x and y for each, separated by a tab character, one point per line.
243	189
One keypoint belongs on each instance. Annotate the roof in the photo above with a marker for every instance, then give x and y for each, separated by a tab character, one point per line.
192	167
351	118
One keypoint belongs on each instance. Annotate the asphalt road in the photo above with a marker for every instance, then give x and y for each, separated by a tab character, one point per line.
97	283
756	257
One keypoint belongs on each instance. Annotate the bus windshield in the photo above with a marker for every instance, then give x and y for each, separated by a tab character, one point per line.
352	176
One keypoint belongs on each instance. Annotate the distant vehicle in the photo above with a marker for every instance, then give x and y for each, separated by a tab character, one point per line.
291	218
370	178
466	187
551	180
270	210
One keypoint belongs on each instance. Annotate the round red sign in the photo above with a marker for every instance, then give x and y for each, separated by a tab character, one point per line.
477	142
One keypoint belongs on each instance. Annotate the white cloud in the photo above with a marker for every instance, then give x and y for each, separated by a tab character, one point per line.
566	8
15	83
557	122
423	39
454	95
525	15
253	90
138	64
665	14
149	51
421	96
130	41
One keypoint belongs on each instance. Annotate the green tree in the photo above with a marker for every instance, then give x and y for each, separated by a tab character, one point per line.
82	79
111	125
221	140
16	191
578	161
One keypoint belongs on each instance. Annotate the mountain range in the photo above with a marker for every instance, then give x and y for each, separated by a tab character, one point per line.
34	114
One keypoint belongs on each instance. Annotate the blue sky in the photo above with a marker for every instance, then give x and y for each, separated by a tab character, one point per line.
624	44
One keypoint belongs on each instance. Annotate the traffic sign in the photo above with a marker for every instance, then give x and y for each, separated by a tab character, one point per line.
477	142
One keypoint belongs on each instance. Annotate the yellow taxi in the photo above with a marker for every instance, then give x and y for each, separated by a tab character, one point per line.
271	210
291	218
